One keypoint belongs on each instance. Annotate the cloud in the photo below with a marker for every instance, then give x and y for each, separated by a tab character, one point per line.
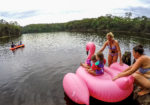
145	1
19	15
138	11
55	11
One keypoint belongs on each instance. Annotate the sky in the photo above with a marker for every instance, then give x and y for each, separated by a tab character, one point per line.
27	12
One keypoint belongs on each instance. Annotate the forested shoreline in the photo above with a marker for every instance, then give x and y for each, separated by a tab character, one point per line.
102	23
9	28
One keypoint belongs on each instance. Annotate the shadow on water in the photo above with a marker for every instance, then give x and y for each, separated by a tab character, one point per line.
14	51
4	40
93	101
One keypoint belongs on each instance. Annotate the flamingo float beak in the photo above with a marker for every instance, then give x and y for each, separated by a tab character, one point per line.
87	52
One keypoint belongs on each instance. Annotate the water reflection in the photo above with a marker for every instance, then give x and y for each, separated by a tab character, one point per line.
68	100
33	75
93	101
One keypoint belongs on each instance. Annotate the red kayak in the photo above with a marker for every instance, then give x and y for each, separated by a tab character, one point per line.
18	46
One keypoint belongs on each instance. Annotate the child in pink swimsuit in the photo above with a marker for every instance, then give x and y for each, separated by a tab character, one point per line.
88	63
98	67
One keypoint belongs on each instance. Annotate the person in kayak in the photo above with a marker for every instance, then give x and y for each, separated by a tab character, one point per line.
13	45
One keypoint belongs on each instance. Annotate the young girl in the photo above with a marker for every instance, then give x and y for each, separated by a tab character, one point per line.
98	67
89	64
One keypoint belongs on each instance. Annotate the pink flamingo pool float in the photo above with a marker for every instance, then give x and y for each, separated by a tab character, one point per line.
81	85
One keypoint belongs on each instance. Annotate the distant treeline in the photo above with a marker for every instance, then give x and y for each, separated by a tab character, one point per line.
36	28
9	29
102	23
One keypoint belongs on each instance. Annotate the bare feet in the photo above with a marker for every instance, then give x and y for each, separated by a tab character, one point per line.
143	92
139	87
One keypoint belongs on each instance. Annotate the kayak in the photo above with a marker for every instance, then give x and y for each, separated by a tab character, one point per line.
18	46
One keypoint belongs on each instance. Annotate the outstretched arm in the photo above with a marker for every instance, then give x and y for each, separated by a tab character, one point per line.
104	46
84	65
130	70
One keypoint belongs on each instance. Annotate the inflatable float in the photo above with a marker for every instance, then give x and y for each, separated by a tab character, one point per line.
18	46
81	85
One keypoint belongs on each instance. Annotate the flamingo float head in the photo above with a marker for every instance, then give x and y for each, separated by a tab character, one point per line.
125	83
90	47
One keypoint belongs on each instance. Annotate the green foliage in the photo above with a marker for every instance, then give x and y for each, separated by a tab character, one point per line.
35	28
9	29
102	23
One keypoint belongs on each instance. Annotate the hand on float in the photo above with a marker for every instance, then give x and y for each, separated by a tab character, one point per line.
121	63
114	78
118	76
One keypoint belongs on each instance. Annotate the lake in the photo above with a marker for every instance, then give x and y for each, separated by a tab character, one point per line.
33	75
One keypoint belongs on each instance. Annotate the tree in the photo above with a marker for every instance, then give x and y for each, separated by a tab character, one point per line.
128	15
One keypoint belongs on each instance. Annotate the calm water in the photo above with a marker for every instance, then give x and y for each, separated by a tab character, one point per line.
33	75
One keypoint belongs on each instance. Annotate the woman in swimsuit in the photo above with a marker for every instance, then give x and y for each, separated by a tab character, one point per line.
140	70
114	49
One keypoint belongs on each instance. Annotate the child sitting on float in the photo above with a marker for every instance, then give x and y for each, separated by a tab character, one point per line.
97	68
